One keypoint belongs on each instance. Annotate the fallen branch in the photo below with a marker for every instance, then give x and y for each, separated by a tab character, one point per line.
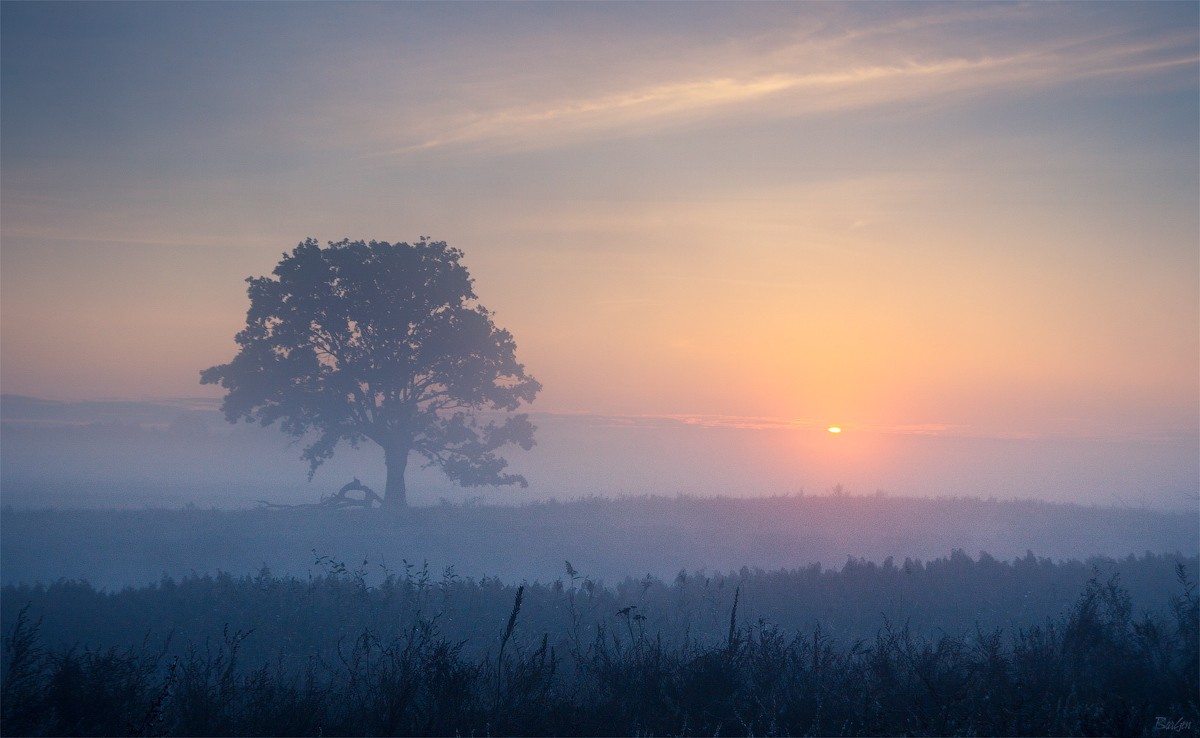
340	500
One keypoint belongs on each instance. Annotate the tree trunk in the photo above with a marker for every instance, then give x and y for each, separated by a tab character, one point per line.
394	494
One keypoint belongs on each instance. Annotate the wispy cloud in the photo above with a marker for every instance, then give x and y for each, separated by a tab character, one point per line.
749	422
803	78
674	103
810	425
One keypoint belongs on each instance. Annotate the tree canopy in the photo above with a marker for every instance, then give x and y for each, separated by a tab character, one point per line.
384	342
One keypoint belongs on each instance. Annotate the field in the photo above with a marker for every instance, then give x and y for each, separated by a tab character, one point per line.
1081	642
608	539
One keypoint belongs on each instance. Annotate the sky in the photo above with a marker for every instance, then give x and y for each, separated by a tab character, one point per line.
965	223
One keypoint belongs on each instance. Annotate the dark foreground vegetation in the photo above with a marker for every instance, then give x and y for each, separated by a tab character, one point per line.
348	657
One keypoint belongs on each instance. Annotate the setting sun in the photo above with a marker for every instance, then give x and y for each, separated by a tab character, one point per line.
834	429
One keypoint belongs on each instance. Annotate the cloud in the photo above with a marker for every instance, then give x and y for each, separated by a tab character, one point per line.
665	104
32	411
20	410
709	421
797	78
743	422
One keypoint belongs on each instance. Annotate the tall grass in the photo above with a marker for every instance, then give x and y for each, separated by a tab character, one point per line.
1094	669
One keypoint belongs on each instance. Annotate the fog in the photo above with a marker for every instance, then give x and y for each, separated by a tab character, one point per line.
176	453
781	496
856	389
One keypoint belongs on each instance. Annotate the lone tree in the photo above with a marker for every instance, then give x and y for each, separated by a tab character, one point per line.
384	342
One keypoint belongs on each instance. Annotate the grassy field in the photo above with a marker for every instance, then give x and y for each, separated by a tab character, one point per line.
789	615
609	539
423	655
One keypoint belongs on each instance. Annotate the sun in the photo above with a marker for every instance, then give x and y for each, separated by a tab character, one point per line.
834	429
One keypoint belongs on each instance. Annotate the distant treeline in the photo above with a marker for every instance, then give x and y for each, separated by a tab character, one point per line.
339	655
608	539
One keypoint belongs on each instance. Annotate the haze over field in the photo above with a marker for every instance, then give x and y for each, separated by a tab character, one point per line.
966	234
178	453
814	368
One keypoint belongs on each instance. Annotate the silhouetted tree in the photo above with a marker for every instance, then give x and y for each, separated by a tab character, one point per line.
384	342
